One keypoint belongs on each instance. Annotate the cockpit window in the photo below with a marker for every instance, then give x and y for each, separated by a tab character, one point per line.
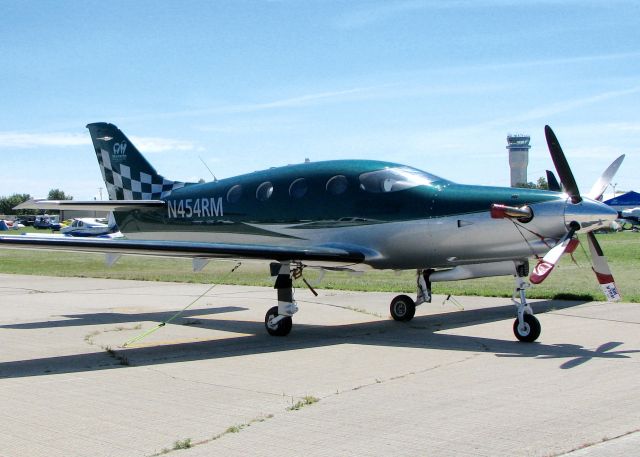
395	179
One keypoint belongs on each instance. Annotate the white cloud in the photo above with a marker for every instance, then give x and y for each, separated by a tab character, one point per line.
376	12
546	111
312	99
19	140
31	140
158	144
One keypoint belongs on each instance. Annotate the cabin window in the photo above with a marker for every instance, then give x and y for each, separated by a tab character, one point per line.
394	179
234	194
264	191
298	188
337	185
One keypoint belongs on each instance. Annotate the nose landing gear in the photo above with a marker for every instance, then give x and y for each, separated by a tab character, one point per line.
526	327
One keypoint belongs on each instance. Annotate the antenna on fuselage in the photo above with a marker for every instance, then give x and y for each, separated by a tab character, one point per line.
205	164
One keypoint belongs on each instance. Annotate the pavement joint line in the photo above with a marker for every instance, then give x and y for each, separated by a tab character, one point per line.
237	428
213	384
588	446
557	313
349	308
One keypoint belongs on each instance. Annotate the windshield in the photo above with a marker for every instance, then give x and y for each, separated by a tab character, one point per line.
395	179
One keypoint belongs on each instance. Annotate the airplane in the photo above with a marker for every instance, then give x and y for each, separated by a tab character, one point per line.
345	215
629	218
89	226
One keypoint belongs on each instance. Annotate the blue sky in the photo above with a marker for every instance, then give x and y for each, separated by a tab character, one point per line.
247	85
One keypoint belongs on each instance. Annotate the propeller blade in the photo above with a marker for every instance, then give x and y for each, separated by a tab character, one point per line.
601	184
553	182
562	166
545	265
602	270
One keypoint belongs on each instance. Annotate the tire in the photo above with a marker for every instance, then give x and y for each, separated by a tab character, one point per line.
532	329
282	328
402	308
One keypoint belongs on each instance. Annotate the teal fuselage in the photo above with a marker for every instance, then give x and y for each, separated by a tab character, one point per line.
306	205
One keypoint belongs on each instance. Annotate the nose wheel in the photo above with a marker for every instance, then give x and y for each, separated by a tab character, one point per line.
529	330
526	327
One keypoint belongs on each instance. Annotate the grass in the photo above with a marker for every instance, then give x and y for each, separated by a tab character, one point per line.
184	444
570	281
306	401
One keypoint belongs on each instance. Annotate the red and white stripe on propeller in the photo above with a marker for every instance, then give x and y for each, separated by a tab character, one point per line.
602	270
566	244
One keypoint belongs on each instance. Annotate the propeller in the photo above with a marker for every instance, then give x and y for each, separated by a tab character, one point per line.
562	166
601	269
601	184
568	243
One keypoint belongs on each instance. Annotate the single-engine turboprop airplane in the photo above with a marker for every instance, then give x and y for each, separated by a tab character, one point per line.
344	214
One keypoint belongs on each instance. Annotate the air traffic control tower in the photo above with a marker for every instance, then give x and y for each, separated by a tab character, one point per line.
518	146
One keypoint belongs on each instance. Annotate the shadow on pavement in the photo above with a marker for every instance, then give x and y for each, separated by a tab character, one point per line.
421	332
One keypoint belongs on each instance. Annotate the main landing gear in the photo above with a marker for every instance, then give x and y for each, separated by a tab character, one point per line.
278	320
403	308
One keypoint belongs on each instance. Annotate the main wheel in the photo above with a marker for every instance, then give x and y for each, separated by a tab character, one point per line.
531	330
402	308
281	328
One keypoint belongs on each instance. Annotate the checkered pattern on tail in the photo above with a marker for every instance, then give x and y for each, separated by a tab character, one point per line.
123	183
126	172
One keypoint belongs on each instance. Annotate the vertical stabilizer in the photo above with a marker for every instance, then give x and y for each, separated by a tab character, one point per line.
126	173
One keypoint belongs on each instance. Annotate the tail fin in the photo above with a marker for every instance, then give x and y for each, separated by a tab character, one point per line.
126	173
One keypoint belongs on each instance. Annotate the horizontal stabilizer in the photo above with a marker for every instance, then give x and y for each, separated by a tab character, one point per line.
92	205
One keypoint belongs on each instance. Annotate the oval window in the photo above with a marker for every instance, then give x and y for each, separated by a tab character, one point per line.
234	194
298	188
264	191
337	185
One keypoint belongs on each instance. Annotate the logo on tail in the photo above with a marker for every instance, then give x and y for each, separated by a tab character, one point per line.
119	149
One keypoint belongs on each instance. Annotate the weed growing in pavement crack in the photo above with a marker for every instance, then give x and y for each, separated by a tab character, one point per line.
121	358
306	401
184	444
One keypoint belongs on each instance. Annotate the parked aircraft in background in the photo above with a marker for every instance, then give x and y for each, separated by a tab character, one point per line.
345	215
87	226
629	218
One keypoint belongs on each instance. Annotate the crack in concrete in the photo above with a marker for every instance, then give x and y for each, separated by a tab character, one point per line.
594	444
592	318
212	384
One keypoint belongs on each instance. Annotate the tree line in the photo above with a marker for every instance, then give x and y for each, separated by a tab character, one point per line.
8	203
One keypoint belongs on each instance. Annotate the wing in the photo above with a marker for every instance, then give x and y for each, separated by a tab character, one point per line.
92	205
333	254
